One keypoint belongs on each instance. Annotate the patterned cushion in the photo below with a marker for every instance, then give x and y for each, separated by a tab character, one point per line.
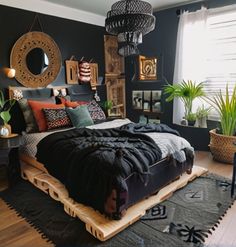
31	125
56	118
96	111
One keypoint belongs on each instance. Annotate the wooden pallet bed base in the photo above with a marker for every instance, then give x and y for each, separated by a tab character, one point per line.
97	224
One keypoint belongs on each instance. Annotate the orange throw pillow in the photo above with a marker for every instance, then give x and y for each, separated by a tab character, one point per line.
72	104
37	107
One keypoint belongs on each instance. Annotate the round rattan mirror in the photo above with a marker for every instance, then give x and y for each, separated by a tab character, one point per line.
18	60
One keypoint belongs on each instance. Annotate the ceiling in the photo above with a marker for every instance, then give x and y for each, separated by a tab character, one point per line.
101	7
88	11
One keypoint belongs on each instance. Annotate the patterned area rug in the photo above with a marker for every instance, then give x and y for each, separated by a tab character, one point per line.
184	220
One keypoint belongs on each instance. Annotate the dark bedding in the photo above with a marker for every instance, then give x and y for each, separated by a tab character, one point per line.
93	164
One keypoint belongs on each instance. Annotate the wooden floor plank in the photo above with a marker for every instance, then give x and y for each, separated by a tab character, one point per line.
224	234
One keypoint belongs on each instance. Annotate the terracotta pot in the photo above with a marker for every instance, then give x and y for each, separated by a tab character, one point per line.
222	147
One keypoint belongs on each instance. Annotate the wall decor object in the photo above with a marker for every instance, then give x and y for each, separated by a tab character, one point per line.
147	68
94	75
59	92
114	63
156	100
84	72
137	99
72	68
147	100
36	58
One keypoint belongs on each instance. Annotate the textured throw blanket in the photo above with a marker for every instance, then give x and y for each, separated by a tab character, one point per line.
93	162
147	128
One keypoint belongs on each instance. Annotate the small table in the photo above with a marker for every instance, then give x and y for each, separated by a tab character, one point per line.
233	177
9	156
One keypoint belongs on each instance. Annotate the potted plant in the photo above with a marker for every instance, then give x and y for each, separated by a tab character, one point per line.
191	118
107	106
201	114
223	141
187	91
5	107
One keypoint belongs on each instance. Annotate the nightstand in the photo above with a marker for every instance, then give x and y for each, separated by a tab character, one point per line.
10	157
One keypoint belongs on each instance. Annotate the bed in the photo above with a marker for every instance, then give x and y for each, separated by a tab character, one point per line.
174	157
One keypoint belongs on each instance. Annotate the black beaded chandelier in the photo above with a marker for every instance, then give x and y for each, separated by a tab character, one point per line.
130	20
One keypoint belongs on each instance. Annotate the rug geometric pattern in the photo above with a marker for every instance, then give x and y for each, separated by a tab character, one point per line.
183	220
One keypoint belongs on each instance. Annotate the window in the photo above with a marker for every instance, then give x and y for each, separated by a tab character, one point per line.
221	52
209	37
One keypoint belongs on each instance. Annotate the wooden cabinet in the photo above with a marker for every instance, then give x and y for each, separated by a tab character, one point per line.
116	93
114	77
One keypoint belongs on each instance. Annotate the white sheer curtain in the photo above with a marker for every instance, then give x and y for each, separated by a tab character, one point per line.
190	50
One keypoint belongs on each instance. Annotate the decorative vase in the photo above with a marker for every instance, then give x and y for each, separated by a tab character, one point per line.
5	130
184	122
202	122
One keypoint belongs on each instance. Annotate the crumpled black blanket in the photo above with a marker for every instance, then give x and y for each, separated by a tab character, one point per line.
93	162
147	128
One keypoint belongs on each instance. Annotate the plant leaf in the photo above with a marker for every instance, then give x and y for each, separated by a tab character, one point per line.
6	116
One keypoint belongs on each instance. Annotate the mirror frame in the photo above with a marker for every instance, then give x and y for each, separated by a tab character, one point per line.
22	47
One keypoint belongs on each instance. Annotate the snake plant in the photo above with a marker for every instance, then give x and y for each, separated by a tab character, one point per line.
225	105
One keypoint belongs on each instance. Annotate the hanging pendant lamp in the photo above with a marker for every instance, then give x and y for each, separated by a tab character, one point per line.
130	20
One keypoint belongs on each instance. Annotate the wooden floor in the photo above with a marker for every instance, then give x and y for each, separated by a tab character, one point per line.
16	232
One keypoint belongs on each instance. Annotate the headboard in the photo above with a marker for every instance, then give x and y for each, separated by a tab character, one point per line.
76	92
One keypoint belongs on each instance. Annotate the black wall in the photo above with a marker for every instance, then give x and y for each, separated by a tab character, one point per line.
72	38
85	40
162	43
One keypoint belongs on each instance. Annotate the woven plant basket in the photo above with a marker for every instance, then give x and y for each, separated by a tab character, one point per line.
222	147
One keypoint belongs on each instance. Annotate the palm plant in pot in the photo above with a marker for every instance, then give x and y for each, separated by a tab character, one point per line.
187	92
223	141
5	107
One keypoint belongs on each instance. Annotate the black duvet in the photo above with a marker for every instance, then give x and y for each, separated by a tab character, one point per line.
92	162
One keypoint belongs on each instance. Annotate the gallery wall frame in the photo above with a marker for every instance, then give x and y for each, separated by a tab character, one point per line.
147	100
147	68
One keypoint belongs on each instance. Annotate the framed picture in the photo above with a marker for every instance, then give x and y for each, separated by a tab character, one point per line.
156	101
146	100
137	99
94	75
147	68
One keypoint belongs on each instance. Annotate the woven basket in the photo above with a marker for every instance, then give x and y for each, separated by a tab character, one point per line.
222	147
